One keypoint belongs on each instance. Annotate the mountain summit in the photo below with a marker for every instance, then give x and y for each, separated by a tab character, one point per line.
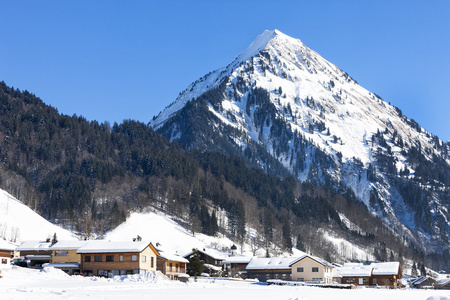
284	108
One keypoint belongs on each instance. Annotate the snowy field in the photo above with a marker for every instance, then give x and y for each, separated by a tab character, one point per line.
19	283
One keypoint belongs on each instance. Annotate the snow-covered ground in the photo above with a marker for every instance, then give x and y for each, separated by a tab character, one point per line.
19	283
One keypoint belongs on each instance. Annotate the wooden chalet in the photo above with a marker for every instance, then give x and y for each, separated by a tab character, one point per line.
356	274
103	258
424	282
263	268
387	274
171	265
212	261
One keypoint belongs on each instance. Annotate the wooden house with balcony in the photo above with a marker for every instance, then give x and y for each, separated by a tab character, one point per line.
108	259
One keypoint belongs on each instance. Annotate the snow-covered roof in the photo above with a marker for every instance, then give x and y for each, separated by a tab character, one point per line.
113	247
172	257
420	280
68	245
385	268
264	263
317	259
5	245
210	252
237	260
443	281
34	246
61	265
355	270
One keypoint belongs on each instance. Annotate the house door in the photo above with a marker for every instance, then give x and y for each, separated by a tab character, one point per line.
360	281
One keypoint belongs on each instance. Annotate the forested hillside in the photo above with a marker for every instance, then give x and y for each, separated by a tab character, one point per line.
89	176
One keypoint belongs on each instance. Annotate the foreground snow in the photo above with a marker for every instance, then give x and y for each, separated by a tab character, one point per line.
19	283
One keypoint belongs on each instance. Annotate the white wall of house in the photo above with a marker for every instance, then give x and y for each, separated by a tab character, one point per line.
308	269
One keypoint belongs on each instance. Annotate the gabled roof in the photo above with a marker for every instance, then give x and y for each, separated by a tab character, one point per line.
271	263
355	270
114	247
237	260
385	268
172	257
317	259
420	280
34	246
68	245
210	252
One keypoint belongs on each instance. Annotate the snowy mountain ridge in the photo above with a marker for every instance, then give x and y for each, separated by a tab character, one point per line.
320	125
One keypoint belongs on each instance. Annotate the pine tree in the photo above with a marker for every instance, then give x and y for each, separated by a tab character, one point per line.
414	270
300	245
196	265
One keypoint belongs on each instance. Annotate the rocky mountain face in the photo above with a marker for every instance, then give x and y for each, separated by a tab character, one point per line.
284	108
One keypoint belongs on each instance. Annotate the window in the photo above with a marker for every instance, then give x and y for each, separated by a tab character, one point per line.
151	262
4	261
176	267
267	275
277	276
315	270
121	258
144	258
170	267
375	281
284	276
109	257
98	258
133	257
299	270
61	253
87	259
317	279
300	279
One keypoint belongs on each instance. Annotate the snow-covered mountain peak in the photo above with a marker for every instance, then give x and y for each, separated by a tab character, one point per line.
259	44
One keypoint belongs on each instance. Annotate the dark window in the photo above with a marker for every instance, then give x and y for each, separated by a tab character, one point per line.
98	258
109	257
4	261
299	269
151	262
315	269
87	259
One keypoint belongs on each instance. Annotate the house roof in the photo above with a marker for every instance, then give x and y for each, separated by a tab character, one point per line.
420	280
210	252
114	247
5	245
385	268
172	257
68	245
271	263
443	281
34	246
355	270
237	260
62	265
317	259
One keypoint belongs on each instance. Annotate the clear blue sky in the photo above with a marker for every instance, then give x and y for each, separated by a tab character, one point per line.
116	60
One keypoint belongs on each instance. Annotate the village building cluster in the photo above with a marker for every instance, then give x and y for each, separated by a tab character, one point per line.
111	258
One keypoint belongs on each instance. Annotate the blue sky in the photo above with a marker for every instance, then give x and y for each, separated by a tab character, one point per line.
116	60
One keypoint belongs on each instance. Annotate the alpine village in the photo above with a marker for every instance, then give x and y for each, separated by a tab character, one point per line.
283	167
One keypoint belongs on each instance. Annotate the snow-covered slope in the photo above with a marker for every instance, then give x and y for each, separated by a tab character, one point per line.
162	230
19	223
313	119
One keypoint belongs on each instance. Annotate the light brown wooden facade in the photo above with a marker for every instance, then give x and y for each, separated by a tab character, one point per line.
119	263
171	268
